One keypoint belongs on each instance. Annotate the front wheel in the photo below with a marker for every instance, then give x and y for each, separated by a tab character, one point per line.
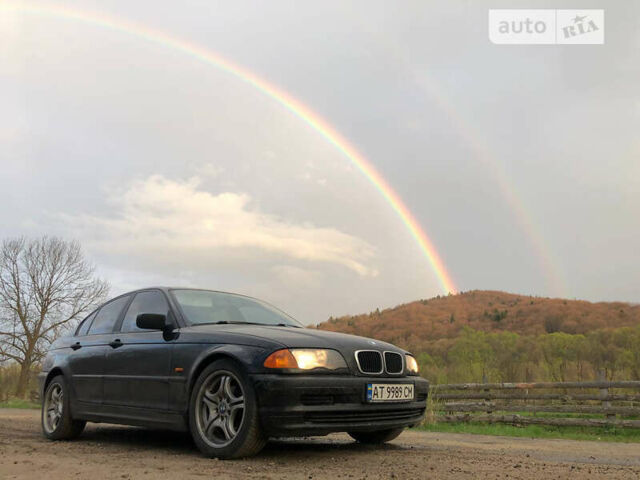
223	413
56	420
377	436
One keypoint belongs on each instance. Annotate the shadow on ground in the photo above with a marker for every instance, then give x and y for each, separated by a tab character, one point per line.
180	442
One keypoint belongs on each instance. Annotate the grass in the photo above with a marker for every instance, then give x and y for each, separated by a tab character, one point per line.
19	403
603	434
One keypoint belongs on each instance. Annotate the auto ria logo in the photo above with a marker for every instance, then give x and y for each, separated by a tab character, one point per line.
579	27
546	27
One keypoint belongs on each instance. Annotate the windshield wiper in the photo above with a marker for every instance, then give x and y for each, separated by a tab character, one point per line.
264	324
226	322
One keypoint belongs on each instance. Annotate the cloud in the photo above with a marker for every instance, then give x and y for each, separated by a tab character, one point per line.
208	170
164	221
292	275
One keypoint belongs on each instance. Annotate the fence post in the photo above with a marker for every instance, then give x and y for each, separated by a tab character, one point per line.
487	399
604	392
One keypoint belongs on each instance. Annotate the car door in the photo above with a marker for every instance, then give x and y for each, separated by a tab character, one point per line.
85	364
138	363
86	361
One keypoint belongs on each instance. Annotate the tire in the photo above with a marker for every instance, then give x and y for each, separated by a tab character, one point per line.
55	417
220	427
376	437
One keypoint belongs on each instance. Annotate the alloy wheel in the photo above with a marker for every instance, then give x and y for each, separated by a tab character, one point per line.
53	407
220	408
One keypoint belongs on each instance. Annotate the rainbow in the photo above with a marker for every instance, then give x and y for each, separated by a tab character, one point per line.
548	261
314	120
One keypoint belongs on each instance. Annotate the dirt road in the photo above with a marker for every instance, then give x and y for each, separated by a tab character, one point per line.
113	452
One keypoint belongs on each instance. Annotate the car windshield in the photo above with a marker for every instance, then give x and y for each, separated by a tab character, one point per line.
203	306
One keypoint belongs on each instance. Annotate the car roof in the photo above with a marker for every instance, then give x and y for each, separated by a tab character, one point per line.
167	288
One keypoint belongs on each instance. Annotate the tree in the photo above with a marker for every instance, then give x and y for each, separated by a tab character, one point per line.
559	352
553	323
508	356
470	355
603	352
45	284
629	358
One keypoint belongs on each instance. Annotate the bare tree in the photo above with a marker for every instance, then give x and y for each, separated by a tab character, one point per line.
45	284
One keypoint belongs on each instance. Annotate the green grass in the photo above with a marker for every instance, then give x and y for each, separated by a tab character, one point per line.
19	403
559	415
604	434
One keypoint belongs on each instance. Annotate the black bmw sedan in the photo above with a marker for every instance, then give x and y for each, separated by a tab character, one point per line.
230	369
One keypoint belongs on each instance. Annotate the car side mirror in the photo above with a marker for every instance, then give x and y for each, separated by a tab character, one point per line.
152	321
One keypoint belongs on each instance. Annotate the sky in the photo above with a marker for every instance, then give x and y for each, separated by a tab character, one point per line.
519	162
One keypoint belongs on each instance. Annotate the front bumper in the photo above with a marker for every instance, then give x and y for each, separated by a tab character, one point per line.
292	405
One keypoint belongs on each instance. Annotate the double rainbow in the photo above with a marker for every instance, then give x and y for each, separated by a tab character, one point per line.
295	106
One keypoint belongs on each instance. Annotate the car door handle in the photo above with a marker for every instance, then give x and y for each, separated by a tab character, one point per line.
76	346
116	343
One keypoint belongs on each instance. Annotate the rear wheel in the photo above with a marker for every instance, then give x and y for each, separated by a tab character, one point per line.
377	436
223	413
56	420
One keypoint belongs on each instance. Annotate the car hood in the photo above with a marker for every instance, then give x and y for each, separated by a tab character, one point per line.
274	338
299	337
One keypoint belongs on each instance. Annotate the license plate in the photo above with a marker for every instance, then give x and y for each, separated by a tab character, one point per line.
389	392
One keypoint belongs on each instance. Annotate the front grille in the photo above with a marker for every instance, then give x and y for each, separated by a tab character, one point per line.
393	362
369	361
357	416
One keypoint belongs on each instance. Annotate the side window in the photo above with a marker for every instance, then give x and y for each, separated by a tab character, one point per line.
86	323
144	302
108	315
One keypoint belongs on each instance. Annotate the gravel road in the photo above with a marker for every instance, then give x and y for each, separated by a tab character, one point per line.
114	452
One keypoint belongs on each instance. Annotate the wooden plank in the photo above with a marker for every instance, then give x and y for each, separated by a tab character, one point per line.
525	386
522	395
489	406
524	420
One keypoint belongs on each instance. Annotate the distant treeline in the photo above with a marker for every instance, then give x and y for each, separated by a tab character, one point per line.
9	378
444	317
504	337
476	356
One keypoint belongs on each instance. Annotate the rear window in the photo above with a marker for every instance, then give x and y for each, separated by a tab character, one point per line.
107	316
86	323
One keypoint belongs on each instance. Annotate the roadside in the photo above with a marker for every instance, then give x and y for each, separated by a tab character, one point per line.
105	451
601	434
19	403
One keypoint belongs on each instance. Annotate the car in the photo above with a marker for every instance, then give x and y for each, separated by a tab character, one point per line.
230	369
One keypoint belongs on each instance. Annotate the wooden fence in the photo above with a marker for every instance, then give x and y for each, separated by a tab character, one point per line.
598	403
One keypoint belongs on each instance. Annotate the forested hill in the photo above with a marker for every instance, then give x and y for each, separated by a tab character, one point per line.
419	323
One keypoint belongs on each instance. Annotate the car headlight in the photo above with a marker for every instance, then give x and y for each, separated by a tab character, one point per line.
412	364
305	359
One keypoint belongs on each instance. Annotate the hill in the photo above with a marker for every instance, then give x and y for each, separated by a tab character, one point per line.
417	324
